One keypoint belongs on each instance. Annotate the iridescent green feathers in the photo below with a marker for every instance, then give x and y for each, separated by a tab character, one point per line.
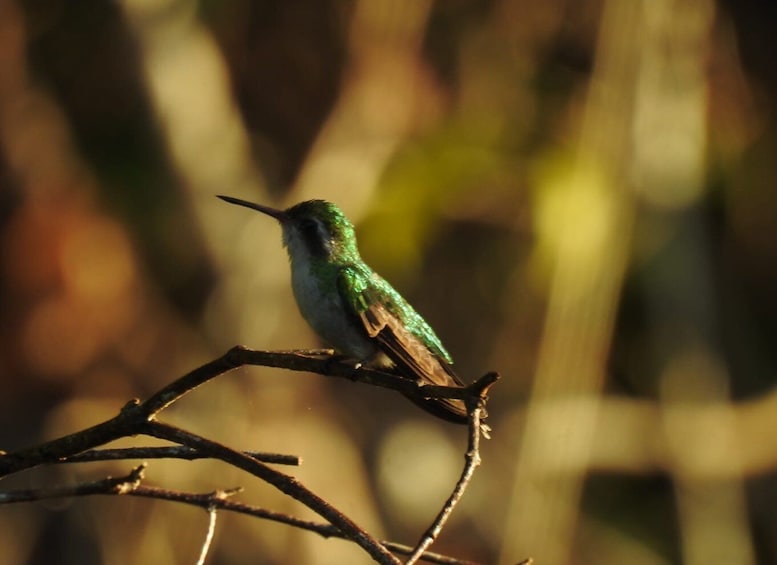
355	278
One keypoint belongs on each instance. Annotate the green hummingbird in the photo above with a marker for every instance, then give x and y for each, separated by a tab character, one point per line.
355	310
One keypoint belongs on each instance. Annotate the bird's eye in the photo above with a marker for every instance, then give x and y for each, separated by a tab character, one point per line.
316	236
307	225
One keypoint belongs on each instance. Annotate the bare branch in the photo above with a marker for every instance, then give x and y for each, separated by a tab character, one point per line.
324	362
286	484
208	535
471	462
51	451
141	418
170	452
109	485
218	500
428	556
134	413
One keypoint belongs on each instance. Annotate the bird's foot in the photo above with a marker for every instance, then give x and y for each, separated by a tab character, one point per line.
340	359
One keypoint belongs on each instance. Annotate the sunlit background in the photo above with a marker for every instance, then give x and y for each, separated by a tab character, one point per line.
579	195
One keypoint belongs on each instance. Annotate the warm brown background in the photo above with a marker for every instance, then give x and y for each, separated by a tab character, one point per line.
580	195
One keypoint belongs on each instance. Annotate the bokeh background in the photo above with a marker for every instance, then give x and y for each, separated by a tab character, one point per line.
580	195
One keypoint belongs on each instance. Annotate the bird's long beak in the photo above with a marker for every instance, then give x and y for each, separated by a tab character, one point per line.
279	215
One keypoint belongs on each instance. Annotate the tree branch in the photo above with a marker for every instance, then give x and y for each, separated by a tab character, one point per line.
170	452
208	535
141	418
471	462
130	485
109	485
284	483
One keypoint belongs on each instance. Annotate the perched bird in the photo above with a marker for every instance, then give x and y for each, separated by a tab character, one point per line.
354	309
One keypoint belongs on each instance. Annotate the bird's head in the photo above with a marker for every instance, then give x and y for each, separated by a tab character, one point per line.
312	230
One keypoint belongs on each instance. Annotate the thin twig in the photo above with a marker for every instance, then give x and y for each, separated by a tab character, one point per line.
170	452
428	556
471	462
109	485
285	483
323	529
208	535
130	486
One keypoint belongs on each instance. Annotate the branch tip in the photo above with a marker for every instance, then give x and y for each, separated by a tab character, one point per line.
223	494
481	386
138	472
130	405
131	481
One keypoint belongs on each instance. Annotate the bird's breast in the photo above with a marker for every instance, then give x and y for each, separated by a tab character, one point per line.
320	303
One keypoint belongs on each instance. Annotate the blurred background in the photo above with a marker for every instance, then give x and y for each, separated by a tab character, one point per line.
579	195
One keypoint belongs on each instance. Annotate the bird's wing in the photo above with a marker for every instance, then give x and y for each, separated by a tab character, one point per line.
411	356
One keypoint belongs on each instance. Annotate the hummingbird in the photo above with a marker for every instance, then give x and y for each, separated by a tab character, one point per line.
354	309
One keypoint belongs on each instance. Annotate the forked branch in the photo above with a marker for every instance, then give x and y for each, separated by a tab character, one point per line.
141	418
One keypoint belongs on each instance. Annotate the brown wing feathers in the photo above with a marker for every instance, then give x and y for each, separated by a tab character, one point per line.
413	359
